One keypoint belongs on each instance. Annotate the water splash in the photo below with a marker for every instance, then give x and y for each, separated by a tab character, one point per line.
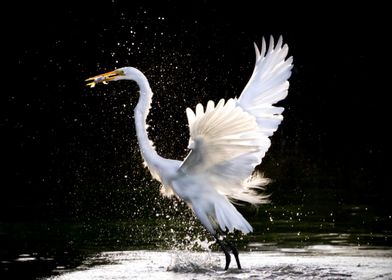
187	261
371	264
193	254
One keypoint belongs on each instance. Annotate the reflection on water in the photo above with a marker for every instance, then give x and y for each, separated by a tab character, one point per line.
288	240
315	262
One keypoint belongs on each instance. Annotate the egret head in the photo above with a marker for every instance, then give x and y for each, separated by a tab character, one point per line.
114	75
124	73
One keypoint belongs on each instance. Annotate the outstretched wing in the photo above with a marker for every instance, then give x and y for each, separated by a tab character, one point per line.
268	85
228	140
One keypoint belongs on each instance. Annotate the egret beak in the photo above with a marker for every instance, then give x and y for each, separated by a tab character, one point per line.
104	78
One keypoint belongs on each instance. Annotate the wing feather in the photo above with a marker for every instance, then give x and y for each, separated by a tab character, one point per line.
226	145
228	140
268	85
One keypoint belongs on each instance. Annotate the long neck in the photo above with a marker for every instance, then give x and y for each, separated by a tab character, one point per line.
148	152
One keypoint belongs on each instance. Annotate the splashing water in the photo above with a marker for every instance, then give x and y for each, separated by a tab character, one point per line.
185	257
309	263
194	262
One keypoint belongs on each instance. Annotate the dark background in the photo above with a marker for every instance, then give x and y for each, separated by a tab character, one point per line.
70	152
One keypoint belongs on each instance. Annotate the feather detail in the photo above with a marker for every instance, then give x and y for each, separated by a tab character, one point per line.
229	139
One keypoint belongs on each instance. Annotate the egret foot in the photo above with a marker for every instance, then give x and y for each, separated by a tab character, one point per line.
226	252
235	253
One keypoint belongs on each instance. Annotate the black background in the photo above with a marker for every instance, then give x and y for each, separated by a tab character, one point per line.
70	152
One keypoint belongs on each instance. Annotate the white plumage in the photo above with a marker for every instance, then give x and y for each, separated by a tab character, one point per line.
227	141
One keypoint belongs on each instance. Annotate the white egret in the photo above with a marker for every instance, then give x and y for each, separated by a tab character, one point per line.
227	141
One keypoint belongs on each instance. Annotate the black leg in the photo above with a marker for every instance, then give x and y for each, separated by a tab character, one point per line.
235	253
227	254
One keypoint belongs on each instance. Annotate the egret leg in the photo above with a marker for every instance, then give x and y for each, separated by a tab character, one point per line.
234	250
224	249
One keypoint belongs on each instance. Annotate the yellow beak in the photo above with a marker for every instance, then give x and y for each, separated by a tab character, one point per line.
104	78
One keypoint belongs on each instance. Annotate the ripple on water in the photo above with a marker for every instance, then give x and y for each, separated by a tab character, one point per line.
256	265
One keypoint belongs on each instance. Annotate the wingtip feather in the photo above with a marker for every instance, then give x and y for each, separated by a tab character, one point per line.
257	51
263	47
191	116
271	44
279	43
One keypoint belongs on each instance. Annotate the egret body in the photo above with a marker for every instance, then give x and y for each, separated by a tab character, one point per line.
227	141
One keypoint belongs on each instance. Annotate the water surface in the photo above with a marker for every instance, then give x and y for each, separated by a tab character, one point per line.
336	243
315	262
